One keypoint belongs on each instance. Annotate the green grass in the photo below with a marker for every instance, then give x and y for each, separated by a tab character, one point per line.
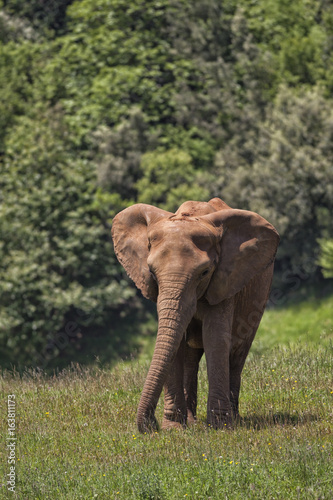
76	433
310	321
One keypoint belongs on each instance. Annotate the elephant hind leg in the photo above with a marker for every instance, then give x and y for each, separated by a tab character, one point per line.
249	307
191	366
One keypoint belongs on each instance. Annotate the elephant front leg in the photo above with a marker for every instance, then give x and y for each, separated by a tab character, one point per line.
235	382
217	327
175	414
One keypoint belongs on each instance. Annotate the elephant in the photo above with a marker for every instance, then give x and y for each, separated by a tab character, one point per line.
209	268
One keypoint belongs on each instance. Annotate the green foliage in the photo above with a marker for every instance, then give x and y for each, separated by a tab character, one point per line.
59	281
18	68
288	177
326	257
42	14
168	178
297	33
119	151
114	102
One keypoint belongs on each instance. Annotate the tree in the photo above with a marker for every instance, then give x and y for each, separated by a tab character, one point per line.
109	102
168	179
44	15
60	287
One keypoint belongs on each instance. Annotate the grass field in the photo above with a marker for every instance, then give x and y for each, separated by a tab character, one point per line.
76	433
309	322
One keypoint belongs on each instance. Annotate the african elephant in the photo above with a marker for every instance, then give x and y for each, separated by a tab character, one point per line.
209	268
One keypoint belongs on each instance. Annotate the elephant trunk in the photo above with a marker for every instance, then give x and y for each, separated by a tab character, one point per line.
173	318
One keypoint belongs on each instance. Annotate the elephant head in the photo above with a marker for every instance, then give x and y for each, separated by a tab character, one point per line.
204	252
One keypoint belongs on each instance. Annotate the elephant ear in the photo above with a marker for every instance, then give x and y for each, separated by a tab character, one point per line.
248	246
130	239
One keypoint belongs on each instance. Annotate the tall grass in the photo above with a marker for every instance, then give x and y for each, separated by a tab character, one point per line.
77	436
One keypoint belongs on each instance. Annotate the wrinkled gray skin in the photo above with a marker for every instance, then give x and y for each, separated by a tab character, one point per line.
209	268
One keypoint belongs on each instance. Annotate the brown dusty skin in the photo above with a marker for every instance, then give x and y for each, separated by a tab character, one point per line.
209	268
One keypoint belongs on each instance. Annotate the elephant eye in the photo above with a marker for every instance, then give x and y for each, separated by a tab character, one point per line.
205	272
153	275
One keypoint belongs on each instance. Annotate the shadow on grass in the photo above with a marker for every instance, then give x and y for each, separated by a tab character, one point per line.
278	419
281	419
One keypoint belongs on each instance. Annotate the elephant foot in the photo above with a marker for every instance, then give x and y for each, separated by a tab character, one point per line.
174	420
235	415
169	424
219	420
191	418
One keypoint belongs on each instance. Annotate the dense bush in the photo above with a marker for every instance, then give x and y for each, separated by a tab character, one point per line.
60	289
106	103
